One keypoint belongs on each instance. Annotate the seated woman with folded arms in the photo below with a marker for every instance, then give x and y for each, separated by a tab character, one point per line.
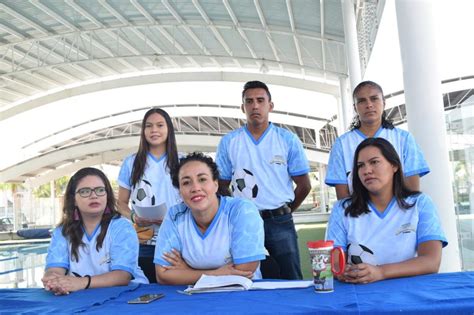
93	246
397	230
207	233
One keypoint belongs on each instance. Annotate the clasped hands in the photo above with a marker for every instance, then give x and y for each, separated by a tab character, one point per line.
63	284
361	273
142	222
177	262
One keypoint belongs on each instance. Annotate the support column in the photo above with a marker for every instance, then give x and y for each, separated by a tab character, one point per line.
340	117
29	213
17	204
52	200
5	200
346	105
322	190
351	42
425	113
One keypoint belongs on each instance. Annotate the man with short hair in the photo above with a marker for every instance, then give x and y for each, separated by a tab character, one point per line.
268	159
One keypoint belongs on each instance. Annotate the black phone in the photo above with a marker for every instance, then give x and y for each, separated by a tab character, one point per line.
146	298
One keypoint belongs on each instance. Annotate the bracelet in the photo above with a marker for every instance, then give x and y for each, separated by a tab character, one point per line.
132	216
88	282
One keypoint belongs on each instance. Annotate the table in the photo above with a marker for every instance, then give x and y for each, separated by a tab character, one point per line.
447	293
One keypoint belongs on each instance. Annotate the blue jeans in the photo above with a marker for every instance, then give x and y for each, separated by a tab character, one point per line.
145	261
281	241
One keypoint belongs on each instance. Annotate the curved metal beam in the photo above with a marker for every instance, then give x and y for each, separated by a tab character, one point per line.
142	79
200	111
106	151
254	28
331	75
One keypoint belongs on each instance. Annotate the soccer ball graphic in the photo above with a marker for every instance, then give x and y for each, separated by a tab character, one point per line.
142	194
358	253
244	184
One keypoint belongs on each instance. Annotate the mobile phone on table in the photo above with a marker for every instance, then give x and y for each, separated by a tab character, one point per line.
146	298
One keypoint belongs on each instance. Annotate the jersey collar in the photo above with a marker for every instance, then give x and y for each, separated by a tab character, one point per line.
383	214
154	158
90	237
270	126
360	133
222	202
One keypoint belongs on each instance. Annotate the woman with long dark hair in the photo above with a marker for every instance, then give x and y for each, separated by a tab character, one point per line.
145	180
371	121
387	229
93	246
207	233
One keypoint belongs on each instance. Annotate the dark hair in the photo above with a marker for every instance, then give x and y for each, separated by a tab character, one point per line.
355	124
256	85
360	195
72	229
195	156
139	163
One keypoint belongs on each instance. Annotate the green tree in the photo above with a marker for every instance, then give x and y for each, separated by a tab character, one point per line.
44	191
115	186
10	186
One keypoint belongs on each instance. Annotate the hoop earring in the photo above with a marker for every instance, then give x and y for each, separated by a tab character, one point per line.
76	215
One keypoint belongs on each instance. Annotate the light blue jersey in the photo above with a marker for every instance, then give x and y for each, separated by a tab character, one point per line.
262	170
235	236
394	234
119	251
154	188
341	158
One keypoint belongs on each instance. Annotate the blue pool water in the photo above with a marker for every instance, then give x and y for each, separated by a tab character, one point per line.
22	265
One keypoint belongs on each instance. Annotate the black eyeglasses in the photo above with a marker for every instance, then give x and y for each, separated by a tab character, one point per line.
87	191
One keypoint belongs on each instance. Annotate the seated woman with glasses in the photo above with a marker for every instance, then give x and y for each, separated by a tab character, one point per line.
93	246
388	230
207	233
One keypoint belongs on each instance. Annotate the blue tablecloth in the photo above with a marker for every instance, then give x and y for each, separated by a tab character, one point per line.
449	293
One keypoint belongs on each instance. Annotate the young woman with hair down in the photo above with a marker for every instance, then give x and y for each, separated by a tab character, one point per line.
93	246
399	226
144	180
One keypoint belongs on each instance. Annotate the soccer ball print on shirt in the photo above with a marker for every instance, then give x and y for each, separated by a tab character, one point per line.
358	253
244	184
142	194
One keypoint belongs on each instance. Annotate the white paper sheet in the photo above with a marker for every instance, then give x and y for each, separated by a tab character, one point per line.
270	285
152	212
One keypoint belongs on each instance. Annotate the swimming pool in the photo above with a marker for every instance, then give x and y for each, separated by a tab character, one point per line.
22	264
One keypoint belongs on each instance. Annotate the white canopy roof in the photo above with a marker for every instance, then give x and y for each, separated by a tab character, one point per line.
75	68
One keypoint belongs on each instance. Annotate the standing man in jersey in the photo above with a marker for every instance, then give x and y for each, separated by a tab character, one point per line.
261	161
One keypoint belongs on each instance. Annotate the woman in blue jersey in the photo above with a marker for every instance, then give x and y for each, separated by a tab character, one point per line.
371	121
397	229
207	233
144	180
93	246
